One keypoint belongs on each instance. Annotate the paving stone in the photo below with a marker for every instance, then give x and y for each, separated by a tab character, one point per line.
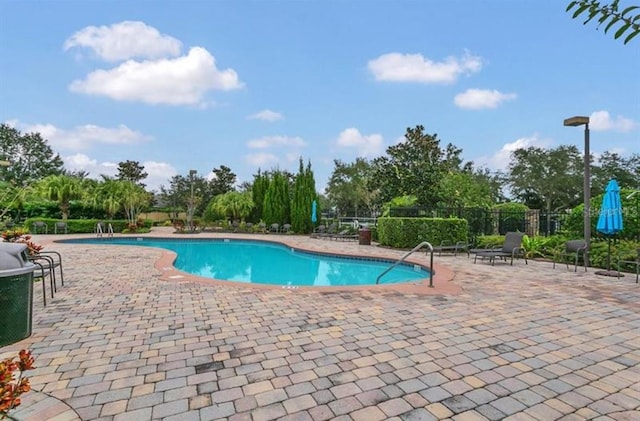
395	407
345	405
458	403
508	405
299	403
171	408
270	397
216	412
435	394
558	343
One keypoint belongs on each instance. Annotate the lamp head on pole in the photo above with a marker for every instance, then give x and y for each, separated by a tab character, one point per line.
576	121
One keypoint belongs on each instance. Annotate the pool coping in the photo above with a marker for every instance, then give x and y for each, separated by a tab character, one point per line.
442	276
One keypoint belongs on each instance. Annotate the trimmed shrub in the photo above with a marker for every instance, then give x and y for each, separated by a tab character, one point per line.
409	232
84	226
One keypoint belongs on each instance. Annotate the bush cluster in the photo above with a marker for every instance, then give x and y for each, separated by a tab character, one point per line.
409	232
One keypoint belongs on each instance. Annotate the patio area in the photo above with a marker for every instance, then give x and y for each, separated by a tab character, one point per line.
129	338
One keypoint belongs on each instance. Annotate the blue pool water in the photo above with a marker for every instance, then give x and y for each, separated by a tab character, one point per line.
263	262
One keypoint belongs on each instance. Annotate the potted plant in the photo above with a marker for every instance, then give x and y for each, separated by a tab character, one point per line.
12	381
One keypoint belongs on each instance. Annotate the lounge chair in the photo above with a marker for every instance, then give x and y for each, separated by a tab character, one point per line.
329	232
262	227
460	246
319	231
286	228
573	250
512	247
343	236
275	227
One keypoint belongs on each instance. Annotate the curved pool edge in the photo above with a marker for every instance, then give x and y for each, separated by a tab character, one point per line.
442	278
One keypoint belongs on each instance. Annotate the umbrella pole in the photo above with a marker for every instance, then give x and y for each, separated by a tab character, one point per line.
608	252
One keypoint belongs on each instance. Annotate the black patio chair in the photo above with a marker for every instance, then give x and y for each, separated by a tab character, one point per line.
573	251
635	263
61	227
512	248
40	227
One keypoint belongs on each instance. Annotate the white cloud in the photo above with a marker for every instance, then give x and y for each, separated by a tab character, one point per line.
125	40
83	137
181	81
500	159
82	162
276	141
601	121
266	115
366	146
159	173
476	99
398	67
261	159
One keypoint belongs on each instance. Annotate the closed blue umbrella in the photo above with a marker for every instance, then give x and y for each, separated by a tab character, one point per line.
314	212
610	219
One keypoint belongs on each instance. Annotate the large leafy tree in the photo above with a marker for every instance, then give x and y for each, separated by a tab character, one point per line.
349	188
131	171
62	189
553	176
609	14
415	167
223	181
177	195
30	157
476	188
626	170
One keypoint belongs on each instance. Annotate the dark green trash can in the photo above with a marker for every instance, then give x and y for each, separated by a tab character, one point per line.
16	293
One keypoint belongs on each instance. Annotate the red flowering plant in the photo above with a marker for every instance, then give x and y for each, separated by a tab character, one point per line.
13	385
21	236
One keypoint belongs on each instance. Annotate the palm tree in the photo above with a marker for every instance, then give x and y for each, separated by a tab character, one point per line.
108	196
134	200
62	189
234	204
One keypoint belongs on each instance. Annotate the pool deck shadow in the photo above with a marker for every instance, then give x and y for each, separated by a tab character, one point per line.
128	338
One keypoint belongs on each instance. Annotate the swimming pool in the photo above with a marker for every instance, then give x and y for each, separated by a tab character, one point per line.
266	262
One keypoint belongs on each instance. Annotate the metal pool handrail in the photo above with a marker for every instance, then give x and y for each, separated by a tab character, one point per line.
400	260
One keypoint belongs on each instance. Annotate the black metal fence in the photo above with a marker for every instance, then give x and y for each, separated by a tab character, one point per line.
483	221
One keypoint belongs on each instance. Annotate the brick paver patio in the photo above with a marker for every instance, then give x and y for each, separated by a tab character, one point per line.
520	343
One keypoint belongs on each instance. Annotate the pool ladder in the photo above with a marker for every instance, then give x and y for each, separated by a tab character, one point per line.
100	229
413	250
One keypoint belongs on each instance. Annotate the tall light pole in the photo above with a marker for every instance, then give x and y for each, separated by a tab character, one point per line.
574	122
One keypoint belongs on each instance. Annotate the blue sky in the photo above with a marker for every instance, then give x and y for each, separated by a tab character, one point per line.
180	85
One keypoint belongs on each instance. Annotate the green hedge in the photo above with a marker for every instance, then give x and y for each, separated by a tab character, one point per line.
409	232
82	226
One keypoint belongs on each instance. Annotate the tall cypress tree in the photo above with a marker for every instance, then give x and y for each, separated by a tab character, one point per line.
258	191
303	196
276	200
297	204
